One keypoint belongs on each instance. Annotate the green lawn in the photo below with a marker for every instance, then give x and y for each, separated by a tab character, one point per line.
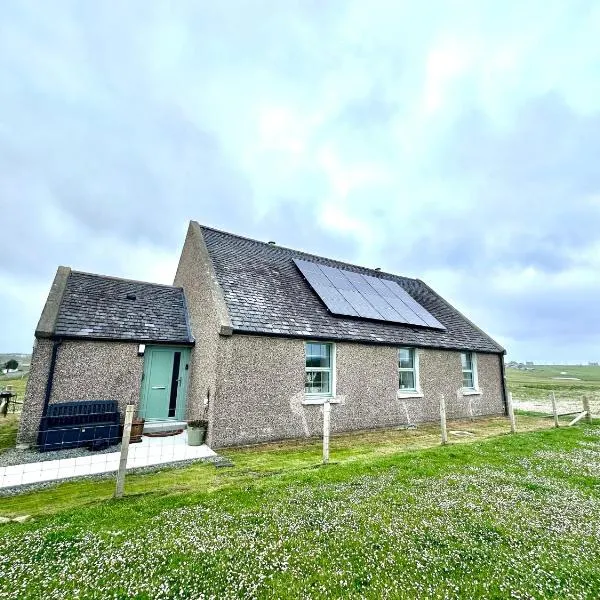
8	431
10	424
507	516
256	462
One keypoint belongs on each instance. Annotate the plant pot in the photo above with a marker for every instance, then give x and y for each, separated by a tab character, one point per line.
196	436
137	428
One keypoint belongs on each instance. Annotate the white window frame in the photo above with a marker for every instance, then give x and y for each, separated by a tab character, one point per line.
320	397
416	392
470	391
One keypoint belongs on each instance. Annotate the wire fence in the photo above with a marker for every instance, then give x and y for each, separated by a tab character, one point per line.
97	438
94	439
9	400
566	402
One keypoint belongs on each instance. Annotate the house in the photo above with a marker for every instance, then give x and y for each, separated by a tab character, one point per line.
264	334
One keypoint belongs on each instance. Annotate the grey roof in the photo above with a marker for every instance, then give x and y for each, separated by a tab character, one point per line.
97	307
265	293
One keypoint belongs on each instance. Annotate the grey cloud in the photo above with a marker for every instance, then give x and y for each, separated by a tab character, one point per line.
111	152
372	110
529	193
545	323
530	204
290	224
121	121
137	189
550	149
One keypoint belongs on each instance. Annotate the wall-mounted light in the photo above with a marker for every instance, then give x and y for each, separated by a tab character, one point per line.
141	349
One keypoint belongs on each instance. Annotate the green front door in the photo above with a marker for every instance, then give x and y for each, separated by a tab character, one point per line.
164	383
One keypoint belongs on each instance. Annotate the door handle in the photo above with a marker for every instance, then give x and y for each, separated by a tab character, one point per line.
159	387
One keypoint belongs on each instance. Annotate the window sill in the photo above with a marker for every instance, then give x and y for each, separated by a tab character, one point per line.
320	400
471	392
409	394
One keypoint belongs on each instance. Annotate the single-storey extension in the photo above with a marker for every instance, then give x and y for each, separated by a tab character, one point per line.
262	335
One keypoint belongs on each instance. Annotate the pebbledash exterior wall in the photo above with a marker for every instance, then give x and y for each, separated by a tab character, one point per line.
257	386
209	321
85	370
260	390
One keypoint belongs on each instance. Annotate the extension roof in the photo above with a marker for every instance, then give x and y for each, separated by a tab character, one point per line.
98	307
266	294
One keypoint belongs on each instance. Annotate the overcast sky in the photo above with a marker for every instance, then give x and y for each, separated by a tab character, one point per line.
457	142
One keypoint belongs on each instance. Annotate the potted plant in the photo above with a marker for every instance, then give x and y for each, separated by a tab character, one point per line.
137	429
196	430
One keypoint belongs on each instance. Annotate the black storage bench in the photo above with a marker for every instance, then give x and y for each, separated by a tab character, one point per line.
91	423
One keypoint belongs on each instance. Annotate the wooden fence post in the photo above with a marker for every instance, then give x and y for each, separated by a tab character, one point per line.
326	424
586	408
124	451
511	412
443	419
554	409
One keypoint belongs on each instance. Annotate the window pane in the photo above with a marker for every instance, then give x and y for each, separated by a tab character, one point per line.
318	355
317	382
467	361
406	358
468	379
407	380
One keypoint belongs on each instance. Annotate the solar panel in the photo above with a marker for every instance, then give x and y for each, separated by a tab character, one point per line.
356	295
331	296
412	304
335	302
360	304
337	277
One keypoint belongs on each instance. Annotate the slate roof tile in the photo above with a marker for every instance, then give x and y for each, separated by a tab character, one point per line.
97	307
266	293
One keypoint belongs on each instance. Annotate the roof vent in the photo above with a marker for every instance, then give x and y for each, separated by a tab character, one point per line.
271	243
130	296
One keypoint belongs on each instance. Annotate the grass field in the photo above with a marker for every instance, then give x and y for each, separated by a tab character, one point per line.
18	384
537	384
507	516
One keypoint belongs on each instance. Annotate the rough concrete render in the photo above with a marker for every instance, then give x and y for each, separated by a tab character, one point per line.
85	370
247	312
96	329
260	395
208	319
